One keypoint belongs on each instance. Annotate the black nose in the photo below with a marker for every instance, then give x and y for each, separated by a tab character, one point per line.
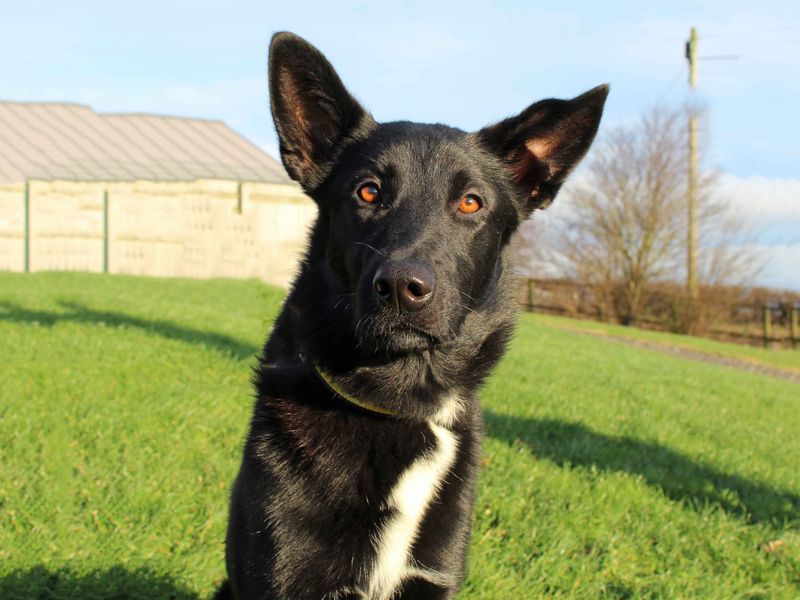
406	286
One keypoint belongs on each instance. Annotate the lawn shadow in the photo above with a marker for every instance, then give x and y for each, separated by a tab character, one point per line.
679	477
119	583
79	313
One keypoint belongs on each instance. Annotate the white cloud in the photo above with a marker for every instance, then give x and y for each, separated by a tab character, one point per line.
780	265
771	206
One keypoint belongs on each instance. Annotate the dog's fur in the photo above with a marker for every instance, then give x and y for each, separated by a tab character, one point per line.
333	501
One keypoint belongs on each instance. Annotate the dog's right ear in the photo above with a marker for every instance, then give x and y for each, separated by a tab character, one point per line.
313	112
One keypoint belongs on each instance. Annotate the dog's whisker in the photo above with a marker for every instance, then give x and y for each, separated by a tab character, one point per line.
340	302
373	248
358	338
470	310
362	325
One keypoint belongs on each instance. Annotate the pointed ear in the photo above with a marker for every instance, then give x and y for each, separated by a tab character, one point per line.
542	144
313	112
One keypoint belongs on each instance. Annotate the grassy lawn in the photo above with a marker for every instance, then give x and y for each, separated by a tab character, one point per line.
609	470
786	359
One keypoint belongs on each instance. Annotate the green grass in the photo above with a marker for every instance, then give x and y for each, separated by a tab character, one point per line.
609	471
786	359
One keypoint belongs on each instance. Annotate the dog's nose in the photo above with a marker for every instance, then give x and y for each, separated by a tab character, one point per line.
405	286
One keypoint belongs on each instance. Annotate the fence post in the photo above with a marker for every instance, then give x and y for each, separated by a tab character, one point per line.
27	242
767	326
793	309
105	230
531	289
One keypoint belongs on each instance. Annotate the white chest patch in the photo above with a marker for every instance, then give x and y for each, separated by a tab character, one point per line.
410	498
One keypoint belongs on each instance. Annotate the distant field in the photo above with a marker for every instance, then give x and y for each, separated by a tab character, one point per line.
609	470
787	359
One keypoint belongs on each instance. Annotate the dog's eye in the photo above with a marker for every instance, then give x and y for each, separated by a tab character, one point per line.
469	204
368	192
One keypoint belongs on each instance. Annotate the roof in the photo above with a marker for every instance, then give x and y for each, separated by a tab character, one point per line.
72	141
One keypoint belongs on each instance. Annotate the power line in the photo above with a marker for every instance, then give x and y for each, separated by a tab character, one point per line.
671	84
750	33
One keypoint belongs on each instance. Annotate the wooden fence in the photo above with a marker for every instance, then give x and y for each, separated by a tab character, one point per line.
756	317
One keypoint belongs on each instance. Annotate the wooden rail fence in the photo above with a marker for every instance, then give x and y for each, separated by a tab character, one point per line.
751	319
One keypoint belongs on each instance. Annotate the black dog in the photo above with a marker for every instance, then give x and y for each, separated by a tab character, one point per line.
359	471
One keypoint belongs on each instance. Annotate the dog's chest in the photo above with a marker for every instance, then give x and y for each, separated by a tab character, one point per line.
408	503
380	479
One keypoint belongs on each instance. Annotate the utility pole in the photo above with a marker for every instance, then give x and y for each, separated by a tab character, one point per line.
691	233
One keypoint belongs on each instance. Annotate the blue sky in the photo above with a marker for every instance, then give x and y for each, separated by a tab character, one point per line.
463	63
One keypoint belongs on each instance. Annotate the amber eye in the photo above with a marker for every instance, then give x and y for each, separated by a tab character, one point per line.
369	193
470	204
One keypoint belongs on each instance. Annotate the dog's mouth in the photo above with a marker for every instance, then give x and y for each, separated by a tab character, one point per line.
410	339
395	339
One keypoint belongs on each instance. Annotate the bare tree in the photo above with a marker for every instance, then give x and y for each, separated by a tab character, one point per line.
625	226
531	250
725	257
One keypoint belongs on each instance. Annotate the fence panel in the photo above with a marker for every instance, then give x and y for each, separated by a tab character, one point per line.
204	228
756	317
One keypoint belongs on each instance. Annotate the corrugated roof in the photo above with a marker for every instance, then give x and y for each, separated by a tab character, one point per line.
71	141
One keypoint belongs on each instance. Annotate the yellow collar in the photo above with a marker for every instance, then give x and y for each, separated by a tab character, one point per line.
326	377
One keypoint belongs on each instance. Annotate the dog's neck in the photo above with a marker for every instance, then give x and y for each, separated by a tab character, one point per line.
330	381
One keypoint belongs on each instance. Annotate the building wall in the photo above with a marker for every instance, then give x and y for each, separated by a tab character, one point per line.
12	227
205	228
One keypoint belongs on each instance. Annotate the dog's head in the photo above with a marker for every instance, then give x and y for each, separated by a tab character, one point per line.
413	218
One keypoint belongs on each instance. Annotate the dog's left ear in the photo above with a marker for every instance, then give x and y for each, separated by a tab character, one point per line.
542	144
314	113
